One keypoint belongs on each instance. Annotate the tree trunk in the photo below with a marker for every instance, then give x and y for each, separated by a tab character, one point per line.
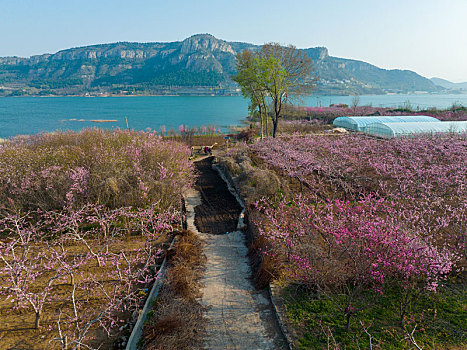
347	326
277	114
274	126
38	319
261	121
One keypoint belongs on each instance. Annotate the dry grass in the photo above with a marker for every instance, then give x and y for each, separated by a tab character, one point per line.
177	317
266	268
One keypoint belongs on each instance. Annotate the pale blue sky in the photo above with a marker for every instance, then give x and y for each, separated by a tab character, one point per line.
427	36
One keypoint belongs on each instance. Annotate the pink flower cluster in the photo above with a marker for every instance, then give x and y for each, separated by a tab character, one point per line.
376	209
350	243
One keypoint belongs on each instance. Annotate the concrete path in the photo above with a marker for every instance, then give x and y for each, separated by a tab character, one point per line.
235	306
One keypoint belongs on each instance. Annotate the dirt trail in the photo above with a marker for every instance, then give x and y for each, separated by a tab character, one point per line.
240	317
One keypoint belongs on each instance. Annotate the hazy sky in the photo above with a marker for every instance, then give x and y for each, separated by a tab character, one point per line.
427	36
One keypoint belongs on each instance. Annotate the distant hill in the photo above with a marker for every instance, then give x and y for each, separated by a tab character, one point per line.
200	64
449	85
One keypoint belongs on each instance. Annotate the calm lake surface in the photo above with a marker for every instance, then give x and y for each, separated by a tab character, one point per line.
29	115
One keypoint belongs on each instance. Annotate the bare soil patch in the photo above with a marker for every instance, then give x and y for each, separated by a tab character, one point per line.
219	211
17	325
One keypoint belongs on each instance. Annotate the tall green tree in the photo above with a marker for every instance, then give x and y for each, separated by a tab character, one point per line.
286	76
277	75
249	78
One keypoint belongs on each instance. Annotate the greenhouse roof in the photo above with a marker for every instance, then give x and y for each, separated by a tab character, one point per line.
358	123
390	130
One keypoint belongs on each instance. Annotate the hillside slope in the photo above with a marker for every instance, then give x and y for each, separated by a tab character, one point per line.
449	85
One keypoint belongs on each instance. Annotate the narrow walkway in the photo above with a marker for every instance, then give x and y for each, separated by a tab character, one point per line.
240	317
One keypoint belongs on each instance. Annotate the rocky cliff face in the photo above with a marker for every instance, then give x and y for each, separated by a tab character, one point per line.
119	50
317	53
200	60
206	43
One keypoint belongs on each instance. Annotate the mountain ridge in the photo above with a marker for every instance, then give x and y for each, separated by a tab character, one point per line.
448	84
199	64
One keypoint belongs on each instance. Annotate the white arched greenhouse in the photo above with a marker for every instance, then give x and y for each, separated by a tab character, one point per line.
358	123
391	130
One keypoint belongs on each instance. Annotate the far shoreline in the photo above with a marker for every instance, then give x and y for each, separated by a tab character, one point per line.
463	93
234	94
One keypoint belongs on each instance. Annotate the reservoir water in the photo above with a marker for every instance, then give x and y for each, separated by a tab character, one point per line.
29	115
